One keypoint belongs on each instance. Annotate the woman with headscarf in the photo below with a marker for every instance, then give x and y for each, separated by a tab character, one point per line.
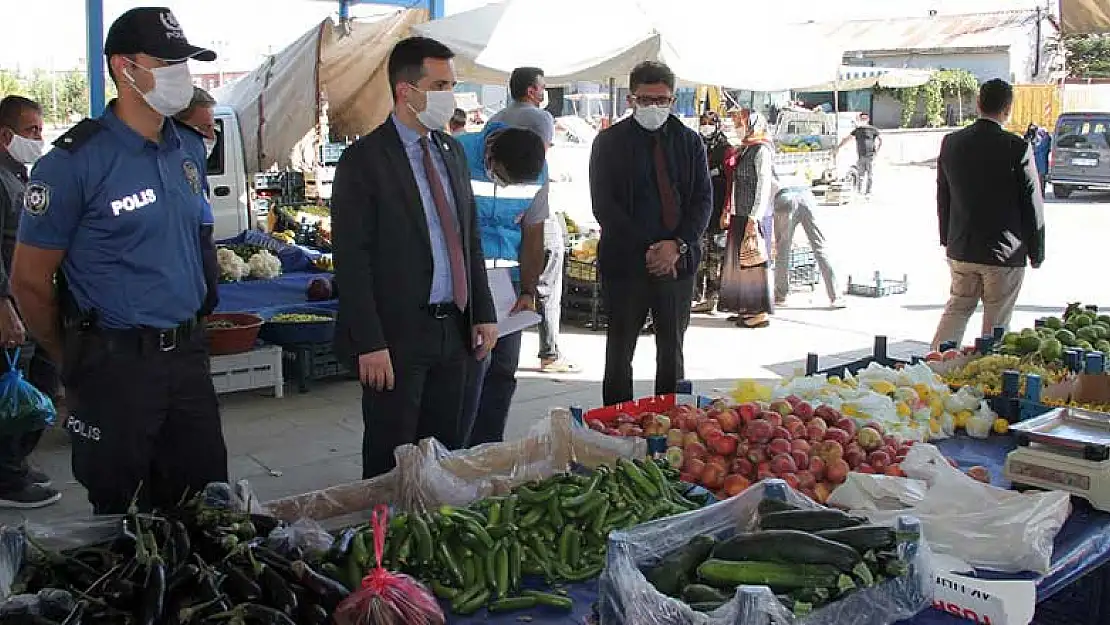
746	279
721	156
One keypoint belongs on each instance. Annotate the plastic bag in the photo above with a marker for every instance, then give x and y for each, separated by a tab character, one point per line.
304	536
981	422
23	408
627	597
50	604
388	598
431	475
12	544
985	526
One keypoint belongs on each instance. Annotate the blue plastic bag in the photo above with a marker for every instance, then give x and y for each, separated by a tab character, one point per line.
23	408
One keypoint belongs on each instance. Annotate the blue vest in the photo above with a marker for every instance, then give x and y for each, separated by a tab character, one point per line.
500	209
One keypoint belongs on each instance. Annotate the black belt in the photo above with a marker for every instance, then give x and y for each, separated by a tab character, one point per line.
152	338
442	310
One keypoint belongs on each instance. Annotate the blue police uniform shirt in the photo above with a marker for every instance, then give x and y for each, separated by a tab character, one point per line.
128	214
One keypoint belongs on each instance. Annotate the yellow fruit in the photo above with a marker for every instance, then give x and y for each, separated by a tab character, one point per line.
961	418
882	387
903	409
835	379
936	407
1001	426
934	426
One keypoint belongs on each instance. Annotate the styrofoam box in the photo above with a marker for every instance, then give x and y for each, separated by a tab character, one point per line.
258	368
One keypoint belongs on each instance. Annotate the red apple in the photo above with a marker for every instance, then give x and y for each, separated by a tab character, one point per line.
624	417
693	466
829	451
778	446
822	491
625	429
878	427
596	425
707	426
793	400
780	432
827	414
847	424
748	411
757	454
837	471
838	435
690	437
742	466
817	467
879	459
764	472
758	430
804	410
801	459
712	477
725	444
689	478
815	430
771	417
791	420
801	445
729	420
695	450
791	480
854	458
783	463
719	461
782	407
736	484
865	468
613	432
806	479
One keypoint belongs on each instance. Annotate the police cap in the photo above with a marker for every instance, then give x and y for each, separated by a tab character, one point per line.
153	31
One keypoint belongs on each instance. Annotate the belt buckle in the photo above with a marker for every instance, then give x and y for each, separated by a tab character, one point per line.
167	340
439	311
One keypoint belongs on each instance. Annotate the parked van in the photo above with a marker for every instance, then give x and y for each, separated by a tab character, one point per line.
227	178
1080	157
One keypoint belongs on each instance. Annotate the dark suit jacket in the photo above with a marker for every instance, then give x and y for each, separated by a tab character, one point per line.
988	197
383	256
619	156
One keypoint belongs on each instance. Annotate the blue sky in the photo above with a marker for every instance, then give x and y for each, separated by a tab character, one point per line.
243	31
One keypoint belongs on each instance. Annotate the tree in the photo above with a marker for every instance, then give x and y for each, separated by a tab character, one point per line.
10	84
1086	56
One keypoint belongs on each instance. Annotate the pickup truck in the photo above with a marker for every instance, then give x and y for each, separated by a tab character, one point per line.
229	189
804	143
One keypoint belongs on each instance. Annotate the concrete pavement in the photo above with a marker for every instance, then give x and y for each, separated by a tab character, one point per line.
310	441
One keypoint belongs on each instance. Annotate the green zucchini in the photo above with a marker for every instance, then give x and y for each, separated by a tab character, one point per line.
701	593
787	547
864	537
670	575
726	574
809	520
767	506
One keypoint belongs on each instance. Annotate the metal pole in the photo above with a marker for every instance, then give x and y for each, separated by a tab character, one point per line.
94	51
344	9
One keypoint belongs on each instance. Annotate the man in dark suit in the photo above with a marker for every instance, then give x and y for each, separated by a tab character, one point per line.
649	183
415	305
991	215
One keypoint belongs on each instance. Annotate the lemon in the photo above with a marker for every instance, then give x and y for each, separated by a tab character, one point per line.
961	418
849	410
833	379
934	426
1001	426
902	408
882	387
936	407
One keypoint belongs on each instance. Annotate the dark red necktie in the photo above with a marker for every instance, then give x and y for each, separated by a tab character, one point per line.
447	224
666	191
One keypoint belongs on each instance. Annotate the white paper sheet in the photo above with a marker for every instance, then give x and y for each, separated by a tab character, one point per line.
504	296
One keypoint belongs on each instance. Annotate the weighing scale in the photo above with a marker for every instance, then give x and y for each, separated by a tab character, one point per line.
1065	449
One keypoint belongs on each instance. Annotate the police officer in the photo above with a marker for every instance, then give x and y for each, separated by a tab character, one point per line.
507	175
119	207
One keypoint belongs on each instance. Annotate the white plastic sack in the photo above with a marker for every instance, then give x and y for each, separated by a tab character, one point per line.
985	526
627	597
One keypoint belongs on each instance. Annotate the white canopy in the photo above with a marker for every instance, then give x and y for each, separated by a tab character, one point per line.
739	46
853	78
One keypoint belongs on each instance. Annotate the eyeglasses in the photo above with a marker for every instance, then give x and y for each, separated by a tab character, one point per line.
653	100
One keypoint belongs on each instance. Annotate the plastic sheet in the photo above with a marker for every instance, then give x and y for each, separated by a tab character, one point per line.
627	597
388	598
431	476
23	408
985	526
339	506
304	535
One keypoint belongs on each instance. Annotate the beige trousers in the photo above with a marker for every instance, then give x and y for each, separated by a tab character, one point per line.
997	287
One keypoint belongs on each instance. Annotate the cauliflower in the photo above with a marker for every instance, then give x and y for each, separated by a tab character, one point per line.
264	265
232	268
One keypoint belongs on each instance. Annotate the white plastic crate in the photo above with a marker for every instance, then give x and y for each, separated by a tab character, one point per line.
258	368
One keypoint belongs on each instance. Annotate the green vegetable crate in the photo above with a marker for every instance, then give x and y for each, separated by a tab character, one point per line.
767	555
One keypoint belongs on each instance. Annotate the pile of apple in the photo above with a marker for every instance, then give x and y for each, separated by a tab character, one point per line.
727	448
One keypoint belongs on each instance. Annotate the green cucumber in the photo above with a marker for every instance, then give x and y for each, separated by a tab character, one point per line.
726	574
868	537
787	547
809	520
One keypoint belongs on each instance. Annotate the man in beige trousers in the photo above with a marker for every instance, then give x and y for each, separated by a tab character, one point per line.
991	215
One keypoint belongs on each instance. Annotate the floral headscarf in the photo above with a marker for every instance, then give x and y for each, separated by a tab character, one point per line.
757	127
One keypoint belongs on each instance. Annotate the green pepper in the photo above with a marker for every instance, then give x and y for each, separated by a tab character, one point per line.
638	479
512	604
655	474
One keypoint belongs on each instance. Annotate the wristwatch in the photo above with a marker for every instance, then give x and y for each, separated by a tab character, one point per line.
682	247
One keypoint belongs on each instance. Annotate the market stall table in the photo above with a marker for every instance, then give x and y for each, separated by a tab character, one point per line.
258	296
1081	547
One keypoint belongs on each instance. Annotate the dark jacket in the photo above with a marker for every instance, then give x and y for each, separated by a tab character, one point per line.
13	182
619	153
718	152
383	258
988	201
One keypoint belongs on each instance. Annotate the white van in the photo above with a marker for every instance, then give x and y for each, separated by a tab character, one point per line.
227	179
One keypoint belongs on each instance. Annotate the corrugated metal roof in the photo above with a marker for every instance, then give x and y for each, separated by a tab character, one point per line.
975	30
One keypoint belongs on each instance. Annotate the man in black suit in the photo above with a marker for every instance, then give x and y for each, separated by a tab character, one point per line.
991	215
649	183
415	305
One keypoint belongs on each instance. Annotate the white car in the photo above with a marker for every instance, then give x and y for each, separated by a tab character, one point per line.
568	164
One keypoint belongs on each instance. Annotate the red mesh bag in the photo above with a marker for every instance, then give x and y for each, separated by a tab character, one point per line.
387	598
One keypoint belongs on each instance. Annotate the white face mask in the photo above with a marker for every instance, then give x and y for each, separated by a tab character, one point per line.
651	117
173	88
209	147
439	107
25	150
707	130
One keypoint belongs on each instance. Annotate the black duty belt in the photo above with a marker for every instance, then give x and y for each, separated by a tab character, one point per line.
442	310
152	339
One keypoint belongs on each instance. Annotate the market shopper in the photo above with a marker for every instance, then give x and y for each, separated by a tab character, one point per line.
528	91
457	125
506	176
1041	141
991	215
721	157
651	194
795	206
405	233
21	486
868	143
118	206
746	275
199	116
